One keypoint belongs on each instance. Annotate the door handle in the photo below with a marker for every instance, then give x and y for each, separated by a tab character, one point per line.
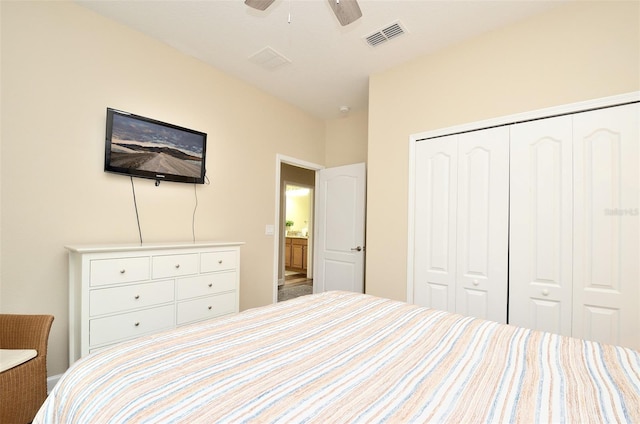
358	248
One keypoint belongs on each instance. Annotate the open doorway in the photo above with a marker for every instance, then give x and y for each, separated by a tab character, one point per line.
298	238
337	239
294	242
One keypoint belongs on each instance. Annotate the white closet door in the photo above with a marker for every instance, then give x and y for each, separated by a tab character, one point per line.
483	224
540	245
606	226
435	223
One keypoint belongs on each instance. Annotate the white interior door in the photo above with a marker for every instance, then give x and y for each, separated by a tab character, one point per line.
340	225
540	270
607	225
436	185
483	224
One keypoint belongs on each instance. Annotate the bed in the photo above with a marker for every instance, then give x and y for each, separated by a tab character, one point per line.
339	357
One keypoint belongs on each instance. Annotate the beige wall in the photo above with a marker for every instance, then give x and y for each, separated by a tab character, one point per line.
62	65
577	52
346	139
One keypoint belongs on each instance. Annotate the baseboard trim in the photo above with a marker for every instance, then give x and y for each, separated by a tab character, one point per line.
52	381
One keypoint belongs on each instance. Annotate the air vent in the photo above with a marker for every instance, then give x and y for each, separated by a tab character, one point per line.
385	34
268	58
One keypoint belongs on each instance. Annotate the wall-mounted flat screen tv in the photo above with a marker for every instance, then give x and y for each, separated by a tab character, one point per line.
143	147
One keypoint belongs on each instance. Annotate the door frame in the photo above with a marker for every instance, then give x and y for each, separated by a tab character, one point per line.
280	159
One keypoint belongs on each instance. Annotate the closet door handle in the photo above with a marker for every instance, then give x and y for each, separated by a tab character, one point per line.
358	248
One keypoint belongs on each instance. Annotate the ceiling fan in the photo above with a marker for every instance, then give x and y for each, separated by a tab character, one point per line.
347	11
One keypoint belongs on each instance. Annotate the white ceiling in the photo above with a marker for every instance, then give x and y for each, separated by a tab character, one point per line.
330	64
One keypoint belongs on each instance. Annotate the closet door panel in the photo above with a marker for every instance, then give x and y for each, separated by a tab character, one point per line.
482	223
606	225
540	245
435	223
546	314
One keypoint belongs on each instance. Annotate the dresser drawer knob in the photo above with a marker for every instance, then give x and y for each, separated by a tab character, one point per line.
137	324
210	284
220	261
209	307
122	271
177	266
136	297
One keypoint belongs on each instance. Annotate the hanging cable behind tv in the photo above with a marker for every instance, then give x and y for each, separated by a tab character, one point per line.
135	205
193	216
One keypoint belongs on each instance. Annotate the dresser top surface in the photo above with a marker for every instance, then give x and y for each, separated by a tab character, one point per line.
97	248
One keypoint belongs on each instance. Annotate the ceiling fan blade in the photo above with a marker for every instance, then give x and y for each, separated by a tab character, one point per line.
258	4
347	11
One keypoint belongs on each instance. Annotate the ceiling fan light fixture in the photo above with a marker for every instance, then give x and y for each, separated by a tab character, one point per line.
347	11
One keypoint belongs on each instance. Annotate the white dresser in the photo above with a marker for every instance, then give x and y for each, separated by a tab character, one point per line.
119	292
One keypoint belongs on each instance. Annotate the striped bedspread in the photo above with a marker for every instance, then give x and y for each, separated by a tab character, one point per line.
342	357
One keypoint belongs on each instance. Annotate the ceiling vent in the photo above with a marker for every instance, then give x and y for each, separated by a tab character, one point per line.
268	58
385	34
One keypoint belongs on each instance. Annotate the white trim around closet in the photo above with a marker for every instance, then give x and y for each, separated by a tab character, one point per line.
494	122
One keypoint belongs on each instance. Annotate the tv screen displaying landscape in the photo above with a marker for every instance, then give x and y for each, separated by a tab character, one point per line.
147	148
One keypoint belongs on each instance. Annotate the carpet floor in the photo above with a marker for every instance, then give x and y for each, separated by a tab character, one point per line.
295	285
291	292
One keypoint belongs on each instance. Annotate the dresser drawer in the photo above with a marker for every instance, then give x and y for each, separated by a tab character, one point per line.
124	298
203	285
206	307
218	261
174	265
119	270
129	325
